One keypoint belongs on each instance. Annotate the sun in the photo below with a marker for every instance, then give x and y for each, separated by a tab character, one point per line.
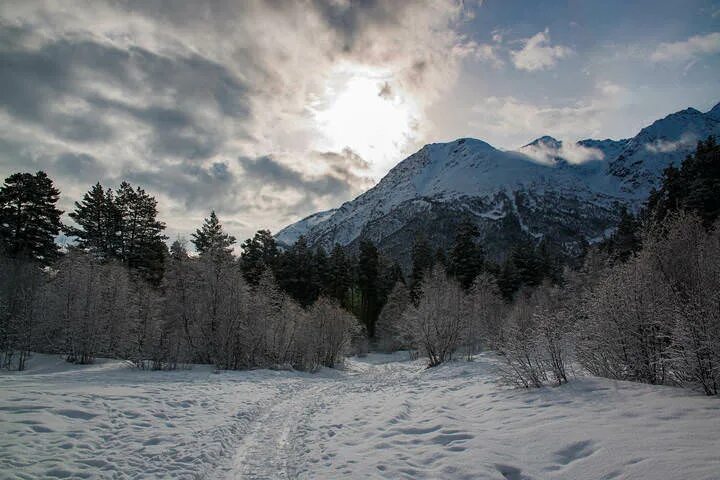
364	111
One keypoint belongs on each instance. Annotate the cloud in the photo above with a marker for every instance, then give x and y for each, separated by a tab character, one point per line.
538	54
689	49
513	120
548	154
667	146
171	98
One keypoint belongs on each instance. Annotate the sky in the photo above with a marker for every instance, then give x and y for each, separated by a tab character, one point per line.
268	111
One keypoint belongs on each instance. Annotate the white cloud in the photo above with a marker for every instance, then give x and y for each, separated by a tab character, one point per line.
666	146
512	121
572	152
173	97
689	49
538	54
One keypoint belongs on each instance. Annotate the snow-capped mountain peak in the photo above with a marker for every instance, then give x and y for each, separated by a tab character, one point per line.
564	192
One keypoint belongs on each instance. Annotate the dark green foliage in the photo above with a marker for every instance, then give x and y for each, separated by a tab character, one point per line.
29	219
422	261
694	187
297	273
368	271
99	224
258	254
211	240
122	226
339	276
626	240
141	234
466	256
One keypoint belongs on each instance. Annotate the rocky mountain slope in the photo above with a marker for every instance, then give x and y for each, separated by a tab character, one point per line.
565	194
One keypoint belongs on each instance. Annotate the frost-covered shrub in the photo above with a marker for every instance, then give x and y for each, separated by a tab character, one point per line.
388	329
328	331
438	324
486	312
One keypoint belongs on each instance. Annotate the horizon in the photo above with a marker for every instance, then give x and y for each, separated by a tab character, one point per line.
197	107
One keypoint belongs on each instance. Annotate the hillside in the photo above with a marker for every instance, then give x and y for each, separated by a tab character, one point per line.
565	194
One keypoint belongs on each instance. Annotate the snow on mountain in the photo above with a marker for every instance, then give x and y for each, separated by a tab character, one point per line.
291	233
567	193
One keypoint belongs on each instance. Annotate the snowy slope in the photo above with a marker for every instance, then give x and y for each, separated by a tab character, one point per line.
565	192
384	417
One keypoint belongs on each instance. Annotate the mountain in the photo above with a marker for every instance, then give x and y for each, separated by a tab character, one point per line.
567	194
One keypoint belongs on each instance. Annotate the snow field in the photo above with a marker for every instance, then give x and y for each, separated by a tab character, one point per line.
382	417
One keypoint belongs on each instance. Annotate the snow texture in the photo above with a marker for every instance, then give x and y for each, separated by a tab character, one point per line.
382	417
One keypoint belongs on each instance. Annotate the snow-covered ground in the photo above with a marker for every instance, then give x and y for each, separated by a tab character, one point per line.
383	417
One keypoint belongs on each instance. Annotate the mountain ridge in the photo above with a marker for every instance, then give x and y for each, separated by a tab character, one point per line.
546	189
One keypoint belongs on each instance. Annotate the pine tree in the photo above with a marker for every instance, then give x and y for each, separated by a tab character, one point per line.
368	284
99	223
29	218
141	233
527	265
422	261
692	187
340	276
211	240
296	274
178	250
466	256
259	254
625	241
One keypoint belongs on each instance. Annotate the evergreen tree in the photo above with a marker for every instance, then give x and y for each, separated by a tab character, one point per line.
99	224
211	240
625	241
507	279
178	250
368	284
296	274
466	256
141	233
692	187
527	264
321	269
340	276
258	254
29	218
422	262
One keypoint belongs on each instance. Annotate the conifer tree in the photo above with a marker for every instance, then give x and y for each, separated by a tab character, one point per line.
339	278
259	254
141	233
368	284
29	218
211	239
466	256
422	261
98	223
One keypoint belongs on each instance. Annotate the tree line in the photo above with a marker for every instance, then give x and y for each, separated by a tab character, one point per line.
643	306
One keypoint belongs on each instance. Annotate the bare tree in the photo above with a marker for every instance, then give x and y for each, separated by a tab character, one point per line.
438	324
388	327
486	311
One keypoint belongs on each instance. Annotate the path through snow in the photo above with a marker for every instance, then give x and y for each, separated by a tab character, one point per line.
380	418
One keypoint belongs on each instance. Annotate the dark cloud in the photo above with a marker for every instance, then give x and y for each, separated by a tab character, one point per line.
164	96
339	181
196	187
35	83
80	166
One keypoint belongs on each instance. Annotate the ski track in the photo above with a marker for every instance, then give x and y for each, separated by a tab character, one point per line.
377	418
